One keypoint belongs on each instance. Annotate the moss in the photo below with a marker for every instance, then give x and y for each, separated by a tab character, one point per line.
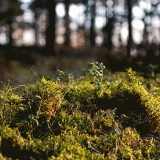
97	116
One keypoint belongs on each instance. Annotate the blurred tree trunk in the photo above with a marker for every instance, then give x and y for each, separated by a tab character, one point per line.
50	31
10	12
92	27
87	19
129	6
67	22
108	32
110	29
145	32
35	27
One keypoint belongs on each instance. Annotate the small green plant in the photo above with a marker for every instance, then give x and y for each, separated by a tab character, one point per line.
96	72
151	68
65	77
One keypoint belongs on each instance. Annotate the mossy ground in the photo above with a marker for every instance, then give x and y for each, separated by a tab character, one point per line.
100	115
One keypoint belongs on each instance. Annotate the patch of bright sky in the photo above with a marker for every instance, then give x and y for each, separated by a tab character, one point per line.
24	6
138	12
145	5
3	38
109	12
76	10
73	26
155	1
26	1
137	36
100	22
109	3
28	16
73	11
99	40
158	8
60	10
147	20
124	32
76	13
137	24
27	37
81	8
119	9
100	9
155	22
19	19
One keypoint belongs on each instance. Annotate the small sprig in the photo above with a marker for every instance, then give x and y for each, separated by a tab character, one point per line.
96	72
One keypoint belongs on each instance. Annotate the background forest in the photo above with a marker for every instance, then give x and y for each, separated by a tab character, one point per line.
120	33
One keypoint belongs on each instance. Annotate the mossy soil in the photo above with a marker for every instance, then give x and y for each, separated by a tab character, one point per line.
100	115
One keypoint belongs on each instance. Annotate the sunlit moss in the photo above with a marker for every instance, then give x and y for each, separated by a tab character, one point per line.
98	116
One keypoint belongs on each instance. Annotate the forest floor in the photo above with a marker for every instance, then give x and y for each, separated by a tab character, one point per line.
17	72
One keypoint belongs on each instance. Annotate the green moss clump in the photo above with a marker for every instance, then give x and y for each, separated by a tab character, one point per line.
98	116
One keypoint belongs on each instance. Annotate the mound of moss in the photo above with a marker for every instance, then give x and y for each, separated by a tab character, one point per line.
100	115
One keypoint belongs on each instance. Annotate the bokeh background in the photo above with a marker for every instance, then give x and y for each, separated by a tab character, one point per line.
66	34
